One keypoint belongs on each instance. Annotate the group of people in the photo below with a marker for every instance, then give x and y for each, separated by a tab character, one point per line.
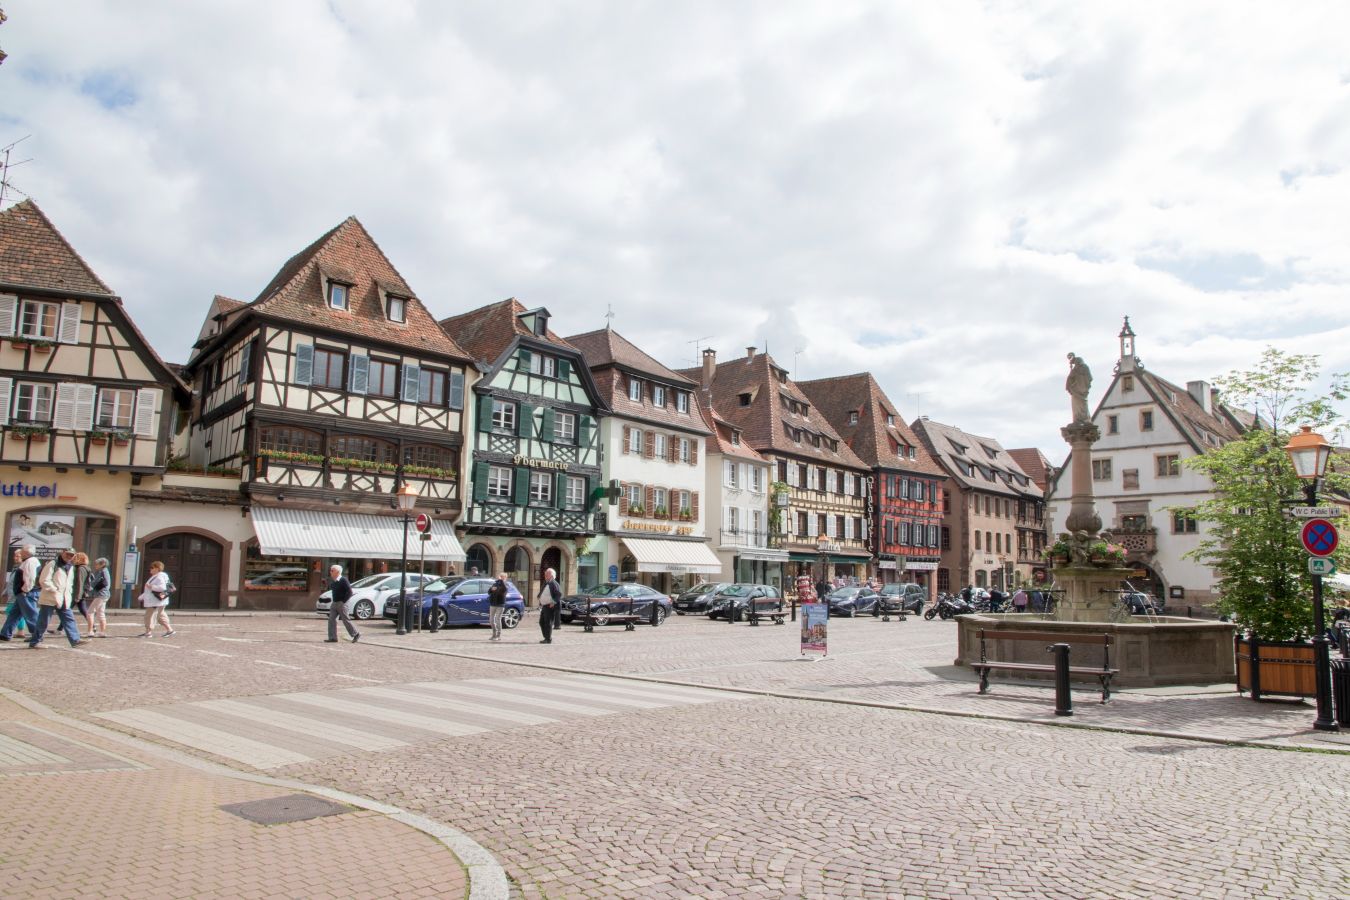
66	583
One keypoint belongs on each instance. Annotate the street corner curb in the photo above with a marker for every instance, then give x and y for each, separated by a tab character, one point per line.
487	878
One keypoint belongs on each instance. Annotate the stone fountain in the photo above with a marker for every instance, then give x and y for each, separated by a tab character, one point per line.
1149	651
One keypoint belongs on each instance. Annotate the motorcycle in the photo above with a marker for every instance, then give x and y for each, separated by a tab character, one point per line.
948	607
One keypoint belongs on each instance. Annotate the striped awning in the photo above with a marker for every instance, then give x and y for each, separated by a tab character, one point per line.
656	555
305	532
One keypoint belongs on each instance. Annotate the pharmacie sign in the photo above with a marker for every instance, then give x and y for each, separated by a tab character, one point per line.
535	462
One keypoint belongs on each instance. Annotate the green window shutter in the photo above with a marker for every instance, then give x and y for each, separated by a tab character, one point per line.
484	413
523	361
546	431
586	501
560	490
522	486
480	481
525	420
584	426
564	369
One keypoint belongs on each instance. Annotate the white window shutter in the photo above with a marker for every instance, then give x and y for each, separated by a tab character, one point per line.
360	373
6	389
304	363
147	403
9	315
848	529
412	378
69	332
63	411
85	402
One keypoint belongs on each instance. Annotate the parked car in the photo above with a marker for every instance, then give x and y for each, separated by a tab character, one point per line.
852	601
288	579
735	599
370	593
911	597
695	600
618	598
459	600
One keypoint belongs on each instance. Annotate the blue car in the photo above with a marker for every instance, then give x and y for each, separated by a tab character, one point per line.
461	601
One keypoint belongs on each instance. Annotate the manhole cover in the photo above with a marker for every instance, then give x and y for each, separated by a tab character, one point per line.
280	810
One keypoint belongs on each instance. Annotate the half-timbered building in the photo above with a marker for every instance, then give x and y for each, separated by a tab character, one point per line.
85	402
653	443
325	395
535	446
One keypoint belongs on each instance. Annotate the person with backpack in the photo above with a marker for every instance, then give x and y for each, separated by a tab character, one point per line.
550	605
155	598
24	591
497	605
54	584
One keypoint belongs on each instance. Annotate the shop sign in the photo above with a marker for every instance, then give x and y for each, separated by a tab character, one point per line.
815	627
886	564
915	565
21	489
830	547
655	528
535	462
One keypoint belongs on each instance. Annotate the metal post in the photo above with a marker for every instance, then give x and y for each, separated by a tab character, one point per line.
1340	682
1254	665
1322	662
1063	699
403	582
794	607
422	588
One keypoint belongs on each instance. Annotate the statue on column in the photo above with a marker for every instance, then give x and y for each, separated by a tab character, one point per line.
1078	384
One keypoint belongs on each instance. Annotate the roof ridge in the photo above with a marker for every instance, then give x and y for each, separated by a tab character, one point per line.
299	261
30	205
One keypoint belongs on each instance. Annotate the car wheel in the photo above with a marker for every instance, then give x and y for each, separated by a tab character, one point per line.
442	619
600	614
660	616
364	609
510	617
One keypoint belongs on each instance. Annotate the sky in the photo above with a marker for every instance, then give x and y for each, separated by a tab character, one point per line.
951	195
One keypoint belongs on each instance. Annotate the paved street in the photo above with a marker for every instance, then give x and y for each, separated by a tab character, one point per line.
678	782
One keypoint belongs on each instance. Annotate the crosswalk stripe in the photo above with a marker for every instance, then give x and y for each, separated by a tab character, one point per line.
551	703
549	687
448	701
221	743
340	734
672	694
398	717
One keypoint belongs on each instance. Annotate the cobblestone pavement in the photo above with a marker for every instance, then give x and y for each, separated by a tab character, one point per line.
89	817
755	796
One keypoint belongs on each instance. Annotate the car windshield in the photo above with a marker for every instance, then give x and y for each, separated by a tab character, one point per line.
442	584
702	588
367	581
735	590
604	590
846	592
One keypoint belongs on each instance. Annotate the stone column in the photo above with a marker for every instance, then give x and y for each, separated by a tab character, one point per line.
1082	510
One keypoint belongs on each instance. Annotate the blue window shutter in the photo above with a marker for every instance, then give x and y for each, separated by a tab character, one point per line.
304	364
456	390
411	378
245	362
360	374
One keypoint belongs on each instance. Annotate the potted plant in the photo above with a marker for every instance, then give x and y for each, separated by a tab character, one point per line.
293	456
661	513
41	346
686	514
1058	552
98	438
20	343
1106	555
121	438
636	509
35	433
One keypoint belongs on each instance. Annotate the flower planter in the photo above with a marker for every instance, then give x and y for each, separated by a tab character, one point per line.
120	442
98	441
1275	668
43	348
37	438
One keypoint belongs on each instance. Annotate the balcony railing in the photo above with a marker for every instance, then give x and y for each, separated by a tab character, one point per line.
1138	542
744	537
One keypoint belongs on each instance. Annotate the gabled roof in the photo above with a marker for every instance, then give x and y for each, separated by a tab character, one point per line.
763	420
221	306
487	331
1035	464
34	254
975	462
1188	415
722	430
347	254
870	437
606	347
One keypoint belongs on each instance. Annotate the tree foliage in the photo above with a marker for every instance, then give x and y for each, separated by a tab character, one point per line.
1252	544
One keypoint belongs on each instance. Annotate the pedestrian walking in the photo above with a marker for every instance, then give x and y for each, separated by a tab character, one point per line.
497	605
24	585
337	610
13	588
55	584
97	590
79	573
822	589
155	599
1020	601
550	612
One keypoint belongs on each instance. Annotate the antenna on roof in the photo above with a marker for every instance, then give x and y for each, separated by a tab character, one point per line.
918	403
5	165
609	316
696	342
796	354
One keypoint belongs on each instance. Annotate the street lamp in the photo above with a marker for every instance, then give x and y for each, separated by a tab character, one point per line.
406	497
1309	452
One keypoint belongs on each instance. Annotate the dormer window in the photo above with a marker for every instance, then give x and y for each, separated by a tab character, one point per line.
397	308
744	399
890	420
658	395
338	295
735	438
681	402
635	390
853	418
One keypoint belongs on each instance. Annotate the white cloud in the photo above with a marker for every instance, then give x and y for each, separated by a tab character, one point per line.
951	195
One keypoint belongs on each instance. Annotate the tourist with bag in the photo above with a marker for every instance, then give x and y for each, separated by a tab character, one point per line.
550	605
24	589
55	582
155	598
497	605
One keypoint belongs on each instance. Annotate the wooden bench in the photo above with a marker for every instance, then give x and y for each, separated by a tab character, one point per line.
773	609
1103	673
629	619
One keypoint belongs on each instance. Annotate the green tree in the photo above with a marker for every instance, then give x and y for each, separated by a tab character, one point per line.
1252	544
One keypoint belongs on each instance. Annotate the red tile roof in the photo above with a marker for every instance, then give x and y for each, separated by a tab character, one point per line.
875	441
485	332
1032	461
607	347
33	253
612	358
763	420
722	430
975	462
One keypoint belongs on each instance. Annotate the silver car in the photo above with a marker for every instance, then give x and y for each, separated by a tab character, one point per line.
369	594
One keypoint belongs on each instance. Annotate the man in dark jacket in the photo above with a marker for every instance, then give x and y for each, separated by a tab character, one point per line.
497	605
550	605
337	609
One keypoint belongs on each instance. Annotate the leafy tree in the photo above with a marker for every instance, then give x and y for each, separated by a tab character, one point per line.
1251	544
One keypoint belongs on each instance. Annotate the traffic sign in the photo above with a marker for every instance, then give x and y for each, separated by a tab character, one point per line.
423	523
1316	512
1319	537
1320	565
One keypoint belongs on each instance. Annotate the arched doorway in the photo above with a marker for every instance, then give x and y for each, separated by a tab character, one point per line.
193	563
517	566
1145	579
478	557
553	559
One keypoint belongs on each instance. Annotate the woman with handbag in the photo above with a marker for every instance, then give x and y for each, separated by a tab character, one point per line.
155	598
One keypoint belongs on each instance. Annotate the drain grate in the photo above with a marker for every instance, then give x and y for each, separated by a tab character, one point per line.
290	808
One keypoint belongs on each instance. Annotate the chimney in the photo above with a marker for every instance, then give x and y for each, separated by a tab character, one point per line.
1202	393
749	354
709	367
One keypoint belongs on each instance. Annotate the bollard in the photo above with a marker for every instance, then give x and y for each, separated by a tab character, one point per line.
1063	699
656	604
1340	690
794	609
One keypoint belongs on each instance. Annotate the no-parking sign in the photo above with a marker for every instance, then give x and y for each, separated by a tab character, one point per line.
1320	537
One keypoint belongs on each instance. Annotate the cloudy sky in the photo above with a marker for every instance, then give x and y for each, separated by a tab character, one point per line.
952	195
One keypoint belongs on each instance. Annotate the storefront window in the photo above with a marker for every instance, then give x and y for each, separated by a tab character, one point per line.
54	530
478	558
518	568
275	573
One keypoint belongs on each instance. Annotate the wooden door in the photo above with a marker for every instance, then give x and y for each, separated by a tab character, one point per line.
193	564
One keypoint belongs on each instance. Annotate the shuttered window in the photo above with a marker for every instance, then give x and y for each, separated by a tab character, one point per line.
329	368
33	402
147	404
431	387
499	482
115	408
382	378
38	320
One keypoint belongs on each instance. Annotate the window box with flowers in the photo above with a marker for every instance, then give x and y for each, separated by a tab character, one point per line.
430	472
363	465
636	509
34	433
293	456
1106	555
39	345
662	513
686	515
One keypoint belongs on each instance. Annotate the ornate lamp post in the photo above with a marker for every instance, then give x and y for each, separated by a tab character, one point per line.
406	498
1310	452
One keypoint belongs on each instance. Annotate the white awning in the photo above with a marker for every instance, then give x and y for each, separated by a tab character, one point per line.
676	557
304	532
